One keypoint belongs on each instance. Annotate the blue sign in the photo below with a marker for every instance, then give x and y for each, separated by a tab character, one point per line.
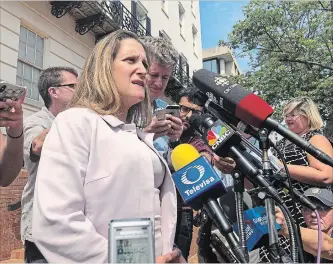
255	221
195	179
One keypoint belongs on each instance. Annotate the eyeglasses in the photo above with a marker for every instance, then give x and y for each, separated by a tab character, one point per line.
70	85
292	115
186	110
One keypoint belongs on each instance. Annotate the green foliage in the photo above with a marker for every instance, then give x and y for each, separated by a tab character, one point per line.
290	45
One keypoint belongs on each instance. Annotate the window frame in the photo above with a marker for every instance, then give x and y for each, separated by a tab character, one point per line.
26	63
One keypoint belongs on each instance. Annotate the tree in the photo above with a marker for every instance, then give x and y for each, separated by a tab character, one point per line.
290	47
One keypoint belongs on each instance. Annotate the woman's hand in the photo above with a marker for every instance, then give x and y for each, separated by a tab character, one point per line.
175	256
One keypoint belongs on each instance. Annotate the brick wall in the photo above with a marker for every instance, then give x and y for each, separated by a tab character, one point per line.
10	220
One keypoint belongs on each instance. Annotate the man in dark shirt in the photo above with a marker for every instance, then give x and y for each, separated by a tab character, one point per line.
188	107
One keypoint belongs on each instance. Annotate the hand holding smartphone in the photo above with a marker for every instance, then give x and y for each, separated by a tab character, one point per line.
10	91
173	110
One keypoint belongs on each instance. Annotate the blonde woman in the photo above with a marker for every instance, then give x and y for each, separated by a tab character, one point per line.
302	117
96	166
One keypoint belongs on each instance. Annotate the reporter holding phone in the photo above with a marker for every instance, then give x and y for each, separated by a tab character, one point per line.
163	58
11	149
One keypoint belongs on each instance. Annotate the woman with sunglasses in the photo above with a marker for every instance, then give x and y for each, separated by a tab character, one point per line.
302	117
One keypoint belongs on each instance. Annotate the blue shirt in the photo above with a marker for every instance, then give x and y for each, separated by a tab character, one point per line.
161	144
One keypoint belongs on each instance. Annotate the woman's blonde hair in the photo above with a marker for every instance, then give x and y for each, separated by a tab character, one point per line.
96	88
306	107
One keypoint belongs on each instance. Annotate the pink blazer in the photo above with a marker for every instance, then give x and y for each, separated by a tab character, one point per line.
89	174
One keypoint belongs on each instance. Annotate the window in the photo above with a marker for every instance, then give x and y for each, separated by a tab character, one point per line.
30	61
164	6
194	35
193	7
211	65
184	64
181	19
140	13
163	34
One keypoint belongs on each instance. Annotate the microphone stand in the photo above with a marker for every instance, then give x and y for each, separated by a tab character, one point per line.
239	193
269	202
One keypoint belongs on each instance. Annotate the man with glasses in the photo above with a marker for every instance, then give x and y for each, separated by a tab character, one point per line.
56	86
323	198
188	107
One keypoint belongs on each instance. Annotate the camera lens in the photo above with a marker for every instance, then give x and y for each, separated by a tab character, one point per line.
2	88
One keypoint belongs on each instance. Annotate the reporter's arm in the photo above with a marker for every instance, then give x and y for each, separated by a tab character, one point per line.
11	158
31	131
11	152
317	172
310	242
60	229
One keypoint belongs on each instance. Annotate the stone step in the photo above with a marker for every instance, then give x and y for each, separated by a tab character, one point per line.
13	261
17	254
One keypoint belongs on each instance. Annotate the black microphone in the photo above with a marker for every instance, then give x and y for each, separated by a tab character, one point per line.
249	108
204	101
223	141
220	144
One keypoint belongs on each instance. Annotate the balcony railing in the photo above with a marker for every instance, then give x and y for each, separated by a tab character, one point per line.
104	17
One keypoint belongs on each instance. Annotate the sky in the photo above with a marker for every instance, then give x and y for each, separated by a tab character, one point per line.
217	19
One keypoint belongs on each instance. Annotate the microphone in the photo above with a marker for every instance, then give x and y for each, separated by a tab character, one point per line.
221	144
249	108
209	104
195	178
199	184
225	142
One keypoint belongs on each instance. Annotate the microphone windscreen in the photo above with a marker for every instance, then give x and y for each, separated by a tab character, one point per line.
183	155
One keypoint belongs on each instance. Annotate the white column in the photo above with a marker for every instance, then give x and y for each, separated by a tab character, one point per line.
222	66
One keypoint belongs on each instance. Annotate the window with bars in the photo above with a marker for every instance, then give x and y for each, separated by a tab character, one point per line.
181	19
164	6
194	36
30	61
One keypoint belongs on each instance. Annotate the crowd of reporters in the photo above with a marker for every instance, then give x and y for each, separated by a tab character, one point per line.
97	151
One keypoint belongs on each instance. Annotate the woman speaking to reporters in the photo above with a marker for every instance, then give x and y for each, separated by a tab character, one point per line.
97	166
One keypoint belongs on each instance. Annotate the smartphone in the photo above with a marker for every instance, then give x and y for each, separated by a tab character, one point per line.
10	91
131	241
160	114
173	110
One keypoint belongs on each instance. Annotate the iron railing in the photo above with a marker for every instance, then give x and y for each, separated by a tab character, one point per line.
106	16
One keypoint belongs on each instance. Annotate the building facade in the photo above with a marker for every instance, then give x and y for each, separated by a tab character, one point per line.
220	60
39	34
35	35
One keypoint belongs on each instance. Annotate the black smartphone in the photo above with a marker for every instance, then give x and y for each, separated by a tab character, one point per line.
173	110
